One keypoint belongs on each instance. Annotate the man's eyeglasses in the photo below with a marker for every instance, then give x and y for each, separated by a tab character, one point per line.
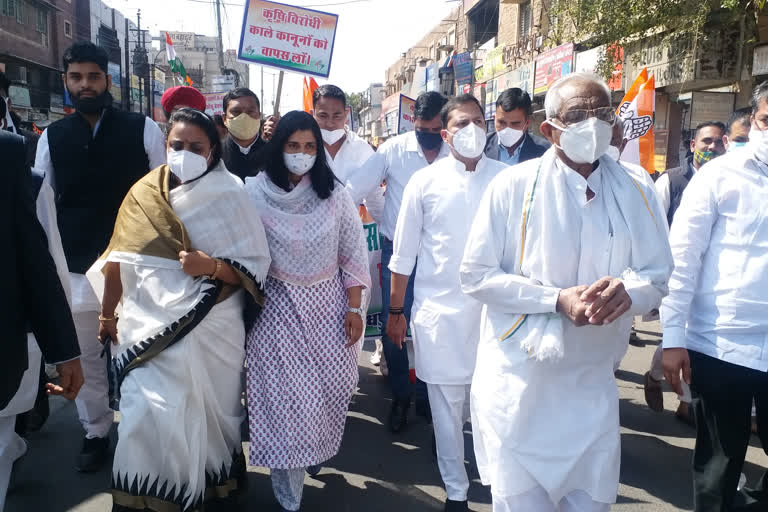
607	114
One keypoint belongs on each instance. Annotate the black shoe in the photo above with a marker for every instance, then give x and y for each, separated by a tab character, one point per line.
314	470
456	506
93	455
422	409
398	416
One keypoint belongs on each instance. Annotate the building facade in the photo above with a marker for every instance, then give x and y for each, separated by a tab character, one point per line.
33	37
498	44
200	55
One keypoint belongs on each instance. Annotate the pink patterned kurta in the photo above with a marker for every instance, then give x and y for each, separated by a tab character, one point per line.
301	375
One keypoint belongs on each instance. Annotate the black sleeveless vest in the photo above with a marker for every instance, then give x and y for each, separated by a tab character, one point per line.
679	177
92	176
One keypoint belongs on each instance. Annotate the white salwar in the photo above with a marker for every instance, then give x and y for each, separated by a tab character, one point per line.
435	218
179	434
544	400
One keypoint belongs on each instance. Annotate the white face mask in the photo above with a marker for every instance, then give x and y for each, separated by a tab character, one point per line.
586	141
469	142
331	137
186	165
758	141
613	153
509	137
299	163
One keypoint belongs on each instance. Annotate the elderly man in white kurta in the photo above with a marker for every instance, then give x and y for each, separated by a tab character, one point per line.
563	251
433	225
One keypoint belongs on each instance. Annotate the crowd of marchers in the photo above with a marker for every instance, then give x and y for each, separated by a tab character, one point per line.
148	268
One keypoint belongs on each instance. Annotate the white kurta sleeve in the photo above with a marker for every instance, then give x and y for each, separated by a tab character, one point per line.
689	239
46	214
375	203
364	180
483	269
662	190
154	144
407	238
43	162
647	286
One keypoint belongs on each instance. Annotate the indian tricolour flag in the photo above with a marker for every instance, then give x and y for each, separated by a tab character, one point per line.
174	62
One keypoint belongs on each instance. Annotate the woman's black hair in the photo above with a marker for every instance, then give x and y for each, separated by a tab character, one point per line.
321	175
205	123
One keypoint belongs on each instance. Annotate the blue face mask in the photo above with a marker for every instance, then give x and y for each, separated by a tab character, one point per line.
733	146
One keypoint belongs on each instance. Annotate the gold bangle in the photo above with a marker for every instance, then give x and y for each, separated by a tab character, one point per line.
107	319
218	269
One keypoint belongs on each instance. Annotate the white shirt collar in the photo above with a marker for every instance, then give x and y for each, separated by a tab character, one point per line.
412	145
246	150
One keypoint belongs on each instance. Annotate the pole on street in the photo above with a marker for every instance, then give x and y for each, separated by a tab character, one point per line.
126	90
279	91
221	43
141	92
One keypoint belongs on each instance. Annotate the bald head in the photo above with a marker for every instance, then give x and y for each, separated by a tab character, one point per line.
576	91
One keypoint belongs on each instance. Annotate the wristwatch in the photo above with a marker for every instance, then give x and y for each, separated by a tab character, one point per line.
359	311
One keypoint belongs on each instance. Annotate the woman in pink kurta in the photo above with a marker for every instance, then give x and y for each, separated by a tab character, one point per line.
302	362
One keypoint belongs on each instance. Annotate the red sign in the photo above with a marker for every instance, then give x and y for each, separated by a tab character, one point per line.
552	65
467	88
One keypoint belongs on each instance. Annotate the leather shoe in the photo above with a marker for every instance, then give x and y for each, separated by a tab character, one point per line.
398	416
654	396
456	506
93	455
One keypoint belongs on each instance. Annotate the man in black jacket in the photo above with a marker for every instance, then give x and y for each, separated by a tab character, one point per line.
511	143
32	299
243	148
91	159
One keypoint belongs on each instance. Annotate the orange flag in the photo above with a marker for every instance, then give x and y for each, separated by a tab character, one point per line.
309	88
637	109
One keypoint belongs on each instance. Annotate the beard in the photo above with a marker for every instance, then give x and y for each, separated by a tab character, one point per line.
93	104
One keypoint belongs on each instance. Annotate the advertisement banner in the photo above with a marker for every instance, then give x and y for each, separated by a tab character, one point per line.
288	37
222	83
493	64
433	77
490	99
182	39
373	327
116	89
520	78
405	119
214	103
586	62
552	65
462	68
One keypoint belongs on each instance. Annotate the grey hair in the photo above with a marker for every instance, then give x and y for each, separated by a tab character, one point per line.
554	101
759	95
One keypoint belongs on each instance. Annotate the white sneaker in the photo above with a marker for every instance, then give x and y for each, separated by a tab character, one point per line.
376	356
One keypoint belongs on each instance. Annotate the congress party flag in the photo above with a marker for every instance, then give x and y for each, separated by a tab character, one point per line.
637	110
309	88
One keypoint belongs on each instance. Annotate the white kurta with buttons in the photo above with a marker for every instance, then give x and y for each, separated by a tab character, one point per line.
433	225
555	423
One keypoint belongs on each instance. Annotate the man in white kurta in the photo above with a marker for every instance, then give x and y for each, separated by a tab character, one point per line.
433	225
564	250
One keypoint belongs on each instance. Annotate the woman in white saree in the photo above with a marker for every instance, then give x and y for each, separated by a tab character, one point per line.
187	250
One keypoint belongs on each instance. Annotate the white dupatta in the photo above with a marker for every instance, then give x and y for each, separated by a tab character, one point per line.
633	216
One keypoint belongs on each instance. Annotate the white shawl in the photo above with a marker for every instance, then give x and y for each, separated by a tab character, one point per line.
631	215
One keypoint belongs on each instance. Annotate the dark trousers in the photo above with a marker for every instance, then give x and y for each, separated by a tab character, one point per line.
722	409
397	359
